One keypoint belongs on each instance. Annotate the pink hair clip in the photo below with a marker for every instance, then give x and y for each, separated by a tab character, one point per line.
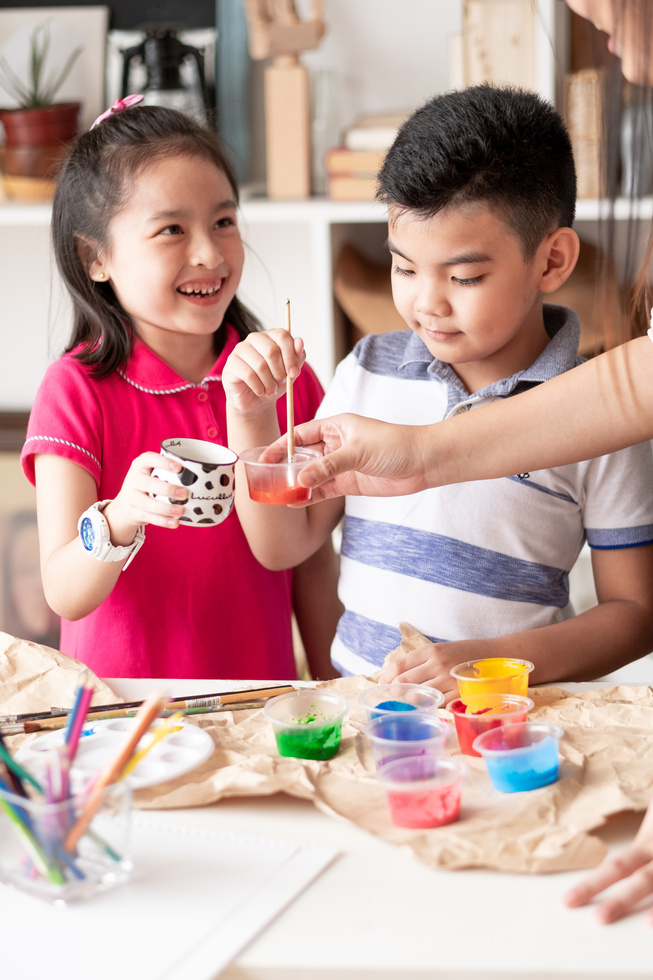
119	106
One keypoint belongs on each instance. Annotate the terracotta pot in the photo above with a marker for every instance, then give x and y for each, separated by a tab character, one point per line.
33	161
36	127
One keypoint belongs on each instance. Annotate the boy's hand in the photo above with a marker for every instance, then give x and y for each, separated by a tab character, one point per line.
256	370
431	664
133	505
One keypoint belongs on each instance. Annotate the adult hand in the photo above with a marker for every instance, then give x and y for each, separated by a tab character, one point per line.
361	457
635	864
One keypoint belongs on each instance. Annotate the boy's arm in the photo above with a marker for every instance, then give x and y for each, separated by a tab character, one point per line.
615	632
254	378
317	608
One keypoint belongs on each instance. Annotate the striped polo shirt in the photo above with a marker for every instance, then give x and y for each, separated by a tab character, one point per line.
472	560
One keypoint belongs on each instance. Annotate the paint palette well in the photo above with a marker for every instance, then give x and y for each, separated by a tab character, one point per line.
173	755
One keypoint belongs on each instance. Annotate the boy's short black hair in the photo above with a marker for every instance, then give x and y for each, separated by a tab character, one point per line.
503	147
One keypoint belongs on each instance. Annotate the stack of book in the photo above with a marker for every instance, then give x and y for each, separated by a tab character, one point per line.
352	168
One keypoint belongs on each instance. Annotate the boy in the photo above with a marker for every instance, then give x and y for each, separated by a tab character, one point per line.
480	187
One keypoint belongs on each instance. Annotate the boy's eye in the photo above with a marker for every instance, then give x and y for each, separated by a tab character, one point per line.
468	282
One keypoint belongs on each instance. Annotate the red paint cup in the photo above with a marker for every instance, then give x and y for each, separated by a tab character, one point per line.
478	713
423	791
272	476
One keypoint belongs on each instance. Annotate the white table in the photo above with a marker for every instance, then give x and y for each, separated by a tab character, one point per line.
376	912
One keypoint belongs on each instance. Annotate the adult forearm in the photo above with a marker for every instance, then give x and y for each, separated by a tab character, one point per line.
597	408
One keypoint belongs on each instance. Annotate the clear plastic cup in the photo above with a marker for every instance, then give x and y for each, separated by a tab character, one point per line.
272	475
307	723
522	756
496	675
478	713
400	735
423	791
383	699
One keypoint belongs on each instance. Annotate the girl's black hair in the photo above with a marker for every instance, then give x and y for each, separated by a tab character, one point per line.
92	188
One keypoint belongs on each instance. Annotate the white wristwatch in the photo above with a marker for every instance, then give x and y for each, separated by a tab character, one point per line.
95	535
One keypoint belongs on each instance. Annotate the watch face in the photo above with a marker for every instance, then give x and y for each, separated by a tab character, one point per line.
87	533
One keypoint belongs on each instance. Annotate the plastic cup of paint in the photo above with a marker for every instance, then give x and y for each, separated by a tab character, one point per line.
423	791
272	476
522	756
307	724
400	735
496	675
383	699
478	713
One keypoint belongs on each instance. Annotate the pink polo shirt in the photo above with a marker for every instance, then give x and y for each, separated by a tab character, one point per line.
194	602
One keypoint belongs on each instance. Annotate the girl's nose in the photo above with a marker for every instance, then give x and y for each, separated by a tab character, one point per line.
205	251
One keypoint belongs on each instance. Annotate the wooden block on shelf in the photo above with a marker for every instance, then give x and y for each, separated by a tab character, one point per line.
287	132
340	161
499	42
351	188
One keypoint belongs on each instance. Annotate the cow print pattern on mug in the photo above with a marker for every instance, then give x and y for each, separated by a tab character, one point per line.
206	512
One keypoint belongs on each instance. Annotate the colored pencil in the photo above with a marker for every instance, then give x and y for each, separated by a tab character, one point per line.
150	710
290	409
218	697
77	717
164	729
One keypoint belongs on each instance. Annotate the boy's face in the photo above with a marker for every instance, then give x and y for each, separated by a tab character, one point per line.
460	281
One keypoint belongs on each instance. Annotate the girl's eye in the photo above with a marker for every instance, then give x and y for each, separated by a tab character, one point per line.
171	230
403	272
225	222
468	282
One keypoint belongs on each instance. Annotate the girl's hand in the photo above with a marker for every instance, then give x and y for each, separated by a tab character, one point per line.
134	506
254	376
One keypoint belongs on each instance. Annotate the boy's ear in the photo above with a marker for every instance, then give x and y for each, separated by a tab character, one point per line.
561	255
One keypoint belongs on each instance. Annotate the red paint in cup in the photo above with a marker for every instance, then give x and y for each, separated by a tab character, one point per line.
478	713
423	791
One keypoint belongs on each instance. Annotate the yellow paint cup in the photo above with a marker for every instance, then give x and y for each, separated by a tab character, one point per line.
496	675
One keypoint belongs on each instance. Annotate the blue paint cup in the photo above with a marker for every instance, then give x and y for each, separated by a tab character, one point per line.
401	735
383	699
522	756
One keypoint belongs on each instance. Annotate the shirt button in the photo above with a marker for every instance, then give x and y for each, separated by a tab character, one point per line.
202	396
212	432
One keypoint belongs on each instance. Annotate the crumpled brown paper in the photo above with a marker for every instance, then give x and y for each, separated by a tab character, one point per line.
606	767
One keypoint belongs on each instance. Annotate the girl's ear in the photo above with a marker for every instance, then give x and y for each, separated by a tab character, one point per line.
561	255
88	257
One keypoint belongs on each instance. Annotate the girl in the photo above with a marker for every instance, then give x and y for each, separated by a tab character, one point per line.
146	239
599	407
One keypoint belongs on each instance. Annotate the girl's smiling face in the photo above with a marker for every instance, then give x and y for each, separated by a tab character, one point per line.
175	256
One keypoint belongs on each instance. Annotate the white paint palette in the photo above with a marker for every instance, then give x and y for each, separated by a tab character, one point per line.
171	756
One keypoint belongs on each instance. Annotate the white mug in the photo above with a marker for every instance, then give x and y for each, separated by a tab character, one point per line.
208	474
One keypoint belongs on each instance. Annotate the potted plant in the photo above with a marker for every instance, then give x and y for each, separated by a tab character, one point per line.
38	130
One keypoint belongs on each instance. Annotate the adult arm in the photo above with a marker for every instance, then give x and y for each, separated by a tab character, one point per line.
616	631
598	407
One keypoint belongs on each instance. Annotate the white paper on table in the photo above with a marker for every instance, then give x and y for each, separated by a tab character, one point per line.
196	899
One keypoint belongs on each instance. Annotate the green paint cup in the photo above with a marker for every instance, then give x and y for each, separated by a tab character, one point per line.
307	723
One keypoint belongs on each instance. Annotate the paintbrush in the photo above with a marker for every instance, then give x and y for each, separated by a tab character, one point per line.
188	701
59	721
290	410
